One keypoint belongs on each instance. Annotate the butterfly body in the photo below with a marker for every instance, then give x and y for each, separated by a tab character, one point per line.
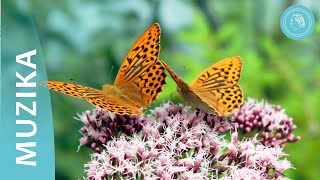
139	80
215	90
111	89
192	99
113	92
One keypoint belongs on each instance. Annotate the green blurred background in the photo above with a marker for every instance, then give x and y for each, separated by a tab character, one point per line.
85	42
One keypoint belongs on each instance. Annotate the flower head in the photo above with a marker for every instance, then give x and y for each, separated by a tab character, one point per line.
271	122
178	143
100	126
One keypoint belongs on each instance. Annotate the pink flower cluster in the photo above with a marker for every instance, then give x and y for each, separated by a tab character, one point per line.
177	143
101	126
271	122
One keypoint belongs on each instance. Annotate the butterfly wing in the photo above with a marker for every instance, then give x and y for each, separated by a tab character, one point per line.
114	106
222	101
141	76
217	85
224	73
74	90
94	96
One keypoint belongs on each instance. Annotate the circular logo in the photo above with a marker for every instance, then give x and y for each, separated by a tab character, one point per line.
297	22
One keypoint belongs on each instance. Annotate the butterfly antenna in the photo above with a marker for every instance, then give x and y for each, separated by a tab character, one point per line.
76	80
184	71
81	82
111	70
109	75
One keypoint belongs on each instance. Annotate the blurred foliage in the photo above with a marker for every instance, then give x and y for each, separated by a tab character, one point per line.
85	42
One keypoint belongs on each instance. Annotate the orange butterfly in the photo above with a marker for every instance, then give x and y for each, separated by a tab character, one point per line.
138	82
216	89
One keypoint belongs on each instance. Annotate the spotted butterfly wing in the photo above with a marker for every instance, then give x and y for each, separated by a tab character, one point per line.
141	75
217	85
224	73
94	96
222	101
